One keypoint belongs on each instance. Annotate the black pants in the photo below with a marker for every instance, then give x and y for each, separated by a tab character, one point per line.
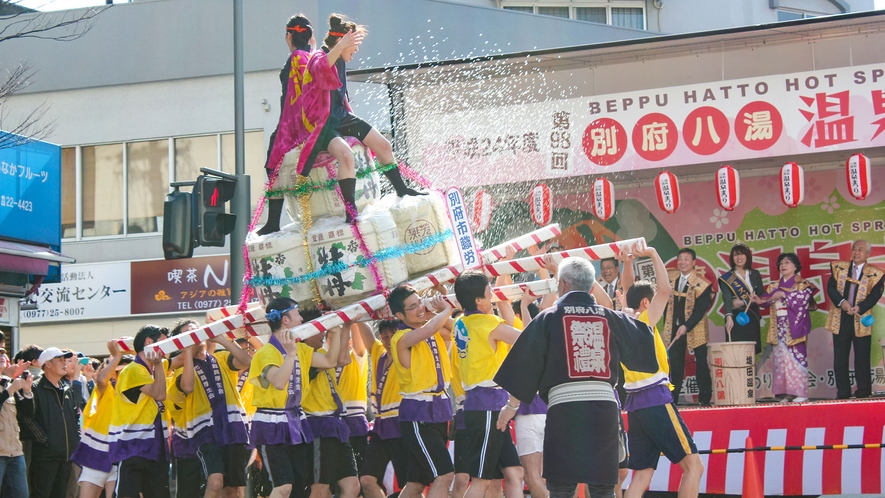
567	490
49	478
842	343
702	369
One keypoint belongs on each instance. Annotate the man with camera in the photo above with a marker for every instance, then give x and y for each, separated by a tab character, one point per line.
15	393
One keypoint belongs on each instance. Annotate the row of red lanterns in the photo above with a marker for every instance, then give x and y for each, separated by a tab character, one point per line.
728	192
728	186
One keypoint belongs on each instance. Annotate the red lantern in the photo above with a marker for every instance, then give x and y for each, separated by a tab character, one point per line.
792	184
728	187
541	205
482	210
667	188
857	172
603	198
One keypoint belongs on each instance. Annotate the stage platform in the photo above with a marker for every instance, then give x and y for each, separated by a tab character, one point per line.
787	472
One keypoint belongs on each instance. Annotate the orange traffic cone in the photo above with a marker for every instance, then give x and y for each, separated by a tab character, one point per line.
752	487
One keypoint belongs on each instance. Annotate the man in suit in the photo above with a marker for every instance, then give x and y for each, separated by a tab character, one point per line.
854	288
610	279
685	324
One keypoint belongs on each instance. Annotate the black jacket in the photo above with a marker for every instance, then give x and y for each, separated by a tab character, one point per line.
55	425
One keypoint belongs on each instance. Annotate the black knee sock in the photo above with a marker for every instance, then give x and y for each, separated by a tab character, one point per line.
274	211
348	194
399	185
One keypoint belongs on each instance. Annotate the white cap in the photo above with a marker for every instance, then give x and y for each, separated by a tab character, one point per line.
51	353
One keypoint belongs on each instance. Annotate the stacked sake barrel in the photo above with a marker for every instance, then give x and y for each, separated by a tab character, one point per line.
320	241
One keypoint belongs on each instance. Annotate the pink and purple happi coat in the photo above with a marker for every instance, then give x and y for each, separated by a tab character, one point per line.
305	107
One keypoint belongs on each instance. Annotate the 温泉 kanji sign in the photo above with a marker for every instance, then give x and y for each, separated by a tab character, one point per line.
778	115
186	285
85	291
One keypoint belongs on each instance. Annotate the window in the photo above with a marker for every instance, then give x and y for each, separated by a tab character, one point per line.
592	14
147	184
628	18
69	192
623	13
143	175
255	158
789	15
102	190
554	11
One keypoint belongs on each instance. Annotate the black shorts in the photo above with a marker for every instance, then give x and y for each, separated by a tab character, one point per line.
380	452
656	430
359	443
137	476
189	478
460	440
288	464
426	443
350	126
332	461
489	450
230	461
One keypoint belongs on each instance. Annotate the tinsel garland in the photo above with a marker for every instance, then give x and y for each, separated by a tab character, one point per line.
362	262
306	223
307	188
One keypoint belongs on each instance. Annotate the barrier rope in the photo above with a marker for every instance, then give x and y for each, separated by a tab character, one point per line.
866	446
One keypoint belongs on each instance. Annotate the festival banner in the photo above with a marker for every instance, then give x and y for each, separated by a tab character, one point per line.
820	230
768	116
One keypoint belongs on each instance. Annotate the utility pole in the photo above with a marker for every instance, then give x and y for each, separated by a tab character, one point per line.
241	204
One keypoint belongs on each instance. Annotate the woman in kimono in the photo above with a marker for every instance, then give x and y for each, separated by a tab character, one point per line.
791	299
738	287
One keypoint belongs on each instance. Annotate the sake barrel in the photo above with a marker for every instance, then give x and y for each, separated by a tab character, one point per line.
732	365
256	328
333	243
325	203
417	218
279	255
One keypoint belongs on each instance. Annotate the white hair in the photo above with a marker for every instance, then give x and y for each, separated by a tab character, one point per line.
577	274
866	244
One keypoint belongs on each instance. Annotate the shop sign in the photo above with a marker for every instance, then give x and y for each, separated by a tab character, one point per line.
183	285
94	290
9	311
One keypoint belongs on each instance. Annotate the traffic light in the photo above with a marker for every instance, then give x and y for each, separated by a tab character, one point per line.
178	235
211	221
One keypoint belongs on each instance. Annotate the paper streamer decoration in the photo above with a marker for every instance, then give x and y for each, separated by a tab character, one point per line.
667	190
603	198
792	184
464	241
482	210
857	173
541	205
728	187
592	253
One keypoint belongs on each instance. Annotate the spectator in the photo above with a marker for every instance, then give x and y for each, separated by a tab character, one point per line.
55	427
30	354
16	392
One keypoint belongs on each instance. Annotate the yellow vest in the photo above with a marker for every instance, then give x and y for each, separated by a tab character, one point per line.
131	431
319	401
198	406
353	381
269	355
478	360
390	390
636	381
421	378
